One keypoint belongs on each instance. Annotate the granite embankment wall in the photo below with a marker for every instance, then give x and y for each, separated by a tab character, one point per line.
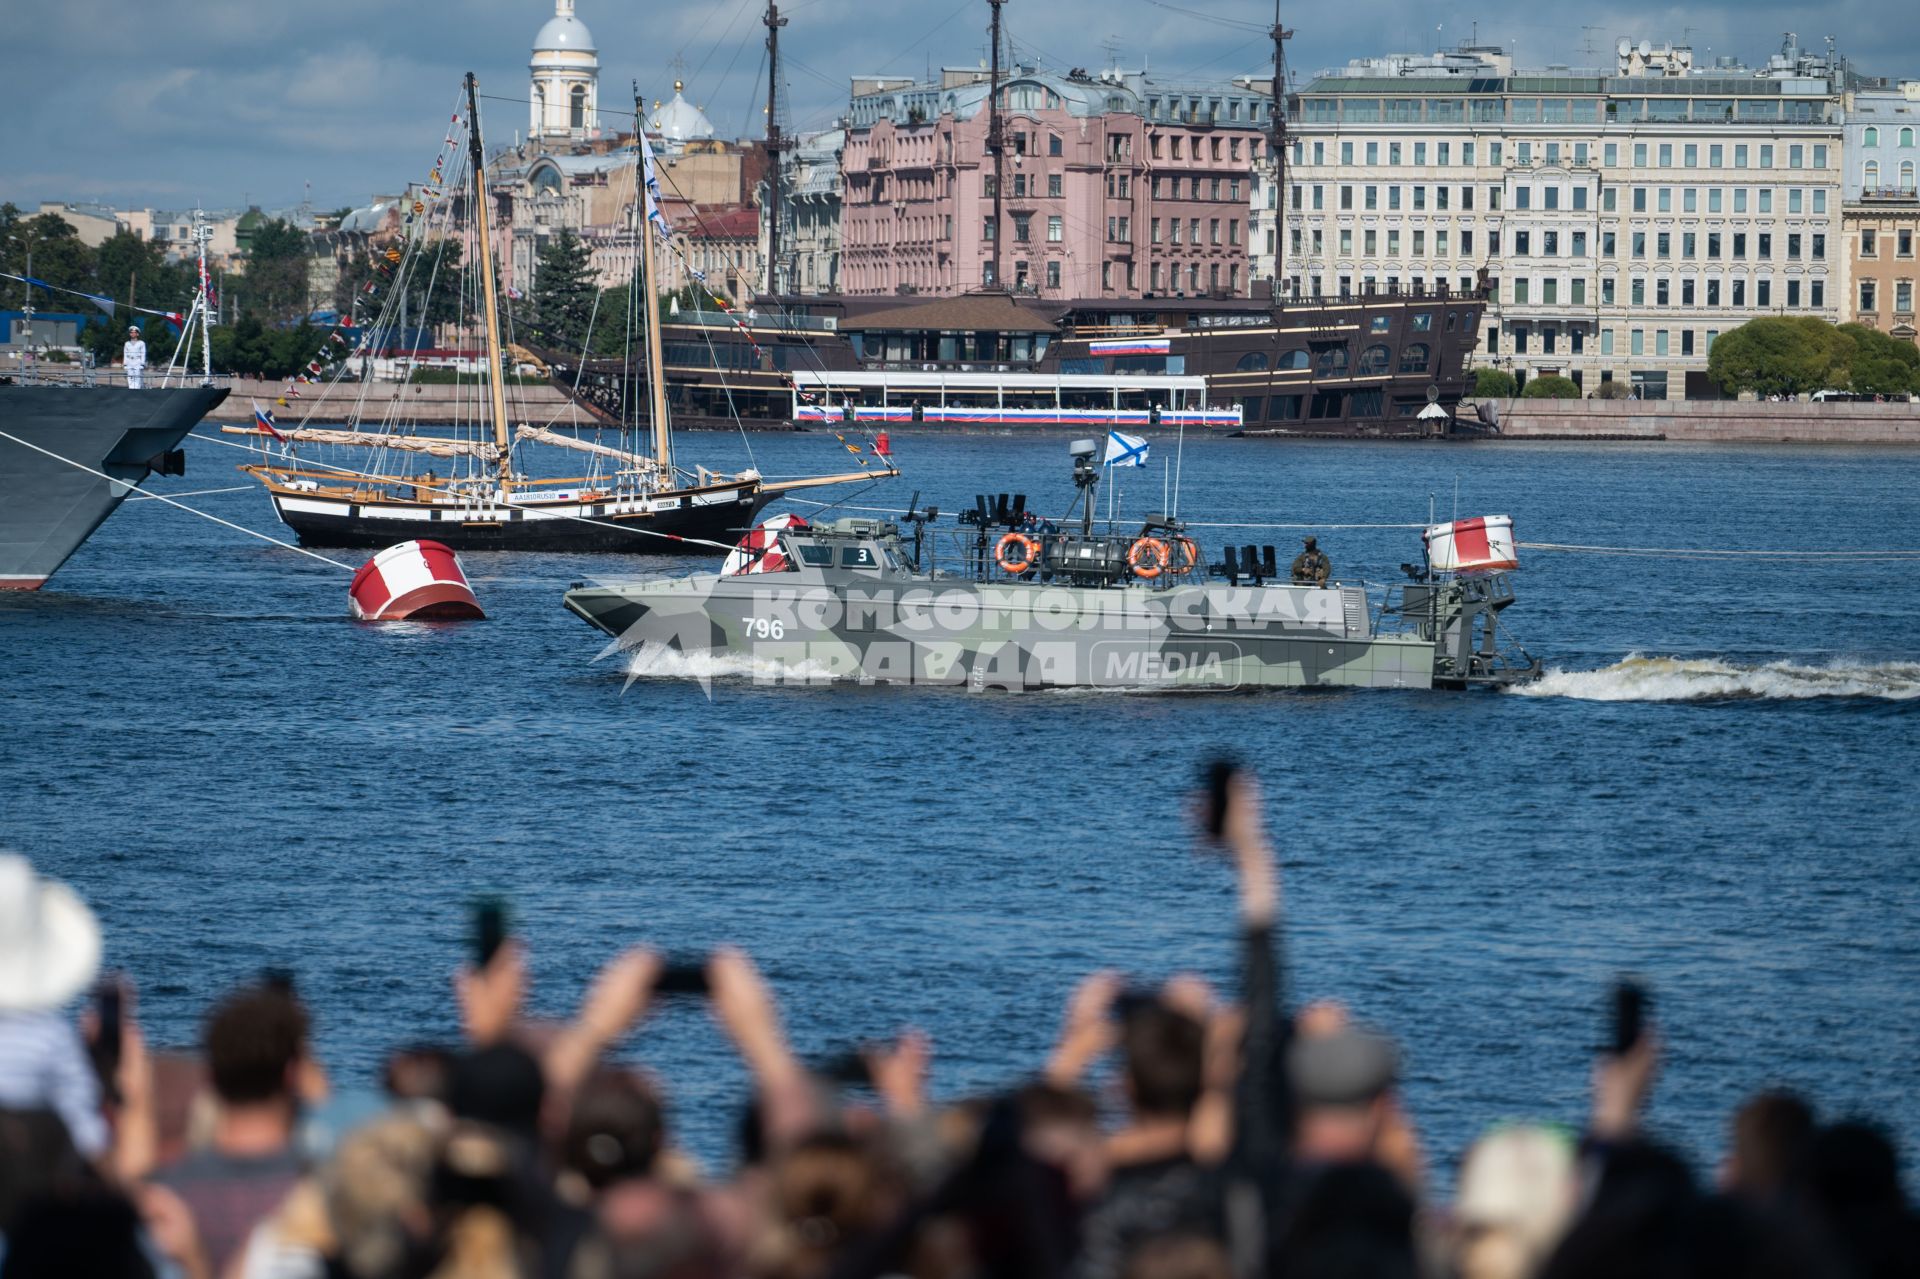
1711	421
539	405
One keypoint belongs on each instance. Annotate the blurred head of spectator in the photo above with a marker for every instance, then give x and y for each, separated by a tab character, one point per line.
1518	1190
1772	1134
1343	1077
615	1130
1162	1052
256	1047
96	1234
49	952
500	1085
1853	1190
825	1195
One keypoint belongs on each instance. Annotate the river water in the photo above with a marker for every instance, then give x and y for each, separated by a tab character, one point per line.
1714	788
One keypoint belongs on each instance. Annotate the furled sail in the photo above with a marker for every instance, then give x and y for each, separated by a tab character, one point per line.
543	436
377	440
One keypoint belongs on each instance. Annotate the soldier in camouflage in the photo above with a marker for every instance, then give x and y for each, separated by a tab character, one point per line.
1311	565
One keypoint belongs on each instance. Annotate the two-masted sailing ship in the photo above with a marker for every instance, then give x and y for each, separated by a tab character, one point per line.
630	500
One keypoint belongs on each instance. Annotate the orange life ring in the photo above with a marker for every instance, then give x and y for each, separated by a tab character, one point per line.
1016	566
1189	555
1147	557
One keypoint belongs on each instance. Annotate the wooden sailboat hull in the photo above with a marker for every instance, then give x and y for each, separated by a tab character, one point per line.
634	526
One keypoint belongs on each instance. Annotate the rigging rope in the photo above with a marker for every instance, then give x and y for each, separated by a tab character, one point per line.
1709	553
81	466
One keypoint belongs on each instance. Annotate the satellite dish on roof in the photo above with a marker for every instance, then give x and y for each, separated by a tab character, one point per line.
1646	47
1626	46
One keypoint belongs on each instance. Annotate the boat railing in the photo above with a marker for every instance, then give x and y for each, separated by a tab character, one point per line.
42	372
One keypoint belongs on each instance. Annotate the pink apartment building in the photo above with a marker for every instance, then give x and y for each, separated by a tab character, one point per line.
1115	187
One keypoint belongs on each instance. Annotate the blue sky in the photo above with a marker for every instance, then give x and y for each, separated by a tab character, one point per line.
168	102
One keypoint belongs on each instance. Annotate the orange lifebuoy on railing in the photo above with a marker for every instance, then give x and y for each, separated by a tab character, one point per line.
1189	555
1010	563
1147	557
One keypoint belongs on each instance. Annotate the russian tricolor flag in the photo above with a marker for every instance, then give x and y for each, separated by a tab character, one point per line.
263	422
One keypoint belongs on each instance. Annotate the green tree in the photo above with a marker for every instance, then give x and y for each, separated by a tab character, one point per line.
1612	391
1781	355
276	275
58	255
1551	386
563	292
1882	365
1492	384
440	275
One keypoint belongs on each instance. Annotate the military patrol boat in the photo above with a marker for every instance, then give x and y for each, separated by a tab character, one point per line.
1019	603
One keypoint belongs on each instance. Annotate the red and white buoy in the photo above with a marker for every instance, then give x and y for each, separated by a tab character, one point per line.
418	580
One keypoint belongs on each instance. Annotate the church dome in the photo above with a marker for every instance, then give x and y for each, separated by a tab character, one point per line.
563	32
679	120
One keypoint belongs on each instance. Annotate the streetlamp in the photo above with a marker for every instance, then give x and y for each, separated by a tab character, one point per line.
26	289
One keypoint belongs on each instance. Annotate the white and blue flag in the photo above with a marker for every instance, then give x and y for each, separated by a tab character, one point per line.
1125	450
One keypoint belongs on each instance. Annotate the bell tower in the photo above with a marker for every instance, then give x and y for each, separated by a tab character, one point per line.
565	69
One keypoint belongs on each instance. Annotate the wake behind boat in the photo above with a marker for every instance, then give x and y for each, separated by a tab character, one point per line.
626	499
1021	603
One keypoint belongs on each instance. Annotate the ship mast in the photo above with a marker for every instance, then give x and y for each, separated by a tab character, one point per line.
650	298
996	139
202	233
496	376
775	144
1279	135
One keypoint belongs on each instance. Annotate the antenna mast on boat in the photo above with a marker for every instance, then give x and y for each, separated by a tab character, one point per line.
496	377
996	140
775	145
650	300
1280	37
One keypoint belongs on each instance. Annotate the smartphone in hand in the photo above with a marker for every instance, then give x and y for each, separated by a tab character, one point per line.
109	1011
1629	1014
489	929
683	978
1219	795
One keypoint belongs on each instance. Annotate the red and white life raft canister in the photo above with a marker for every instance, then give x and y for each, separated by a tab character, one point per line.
759	551
418	580
1483	544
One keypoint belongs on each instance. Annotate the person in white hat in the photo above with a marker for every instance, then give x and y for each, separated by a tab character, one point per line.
134	356
49	953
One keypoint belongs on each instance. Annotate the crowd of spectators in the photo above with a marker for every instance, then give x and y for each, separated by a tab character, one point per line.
1239	1137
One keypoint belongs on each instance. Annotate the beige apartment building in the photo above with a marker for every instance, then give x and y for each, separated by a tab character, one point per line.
1881	215
1624	219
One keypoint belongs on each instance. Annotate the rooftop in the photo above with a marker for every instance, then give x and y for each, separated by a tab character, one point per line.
970	312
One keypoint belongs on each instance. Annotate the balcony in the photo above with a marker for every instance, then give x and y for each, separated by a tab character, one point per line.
1890	195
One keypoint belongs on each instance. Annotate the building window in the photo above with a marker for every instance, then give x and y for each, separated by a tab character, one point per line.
1870	174
1871	138
1869	297
1056	229
1903	297
1022	227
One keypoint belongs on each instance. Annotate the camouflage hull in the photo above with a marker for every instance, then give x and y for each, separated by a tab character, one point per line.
1011	635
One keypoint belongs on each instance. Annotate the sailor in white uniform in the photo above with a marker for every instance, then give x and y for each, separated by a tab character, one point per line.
134	356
